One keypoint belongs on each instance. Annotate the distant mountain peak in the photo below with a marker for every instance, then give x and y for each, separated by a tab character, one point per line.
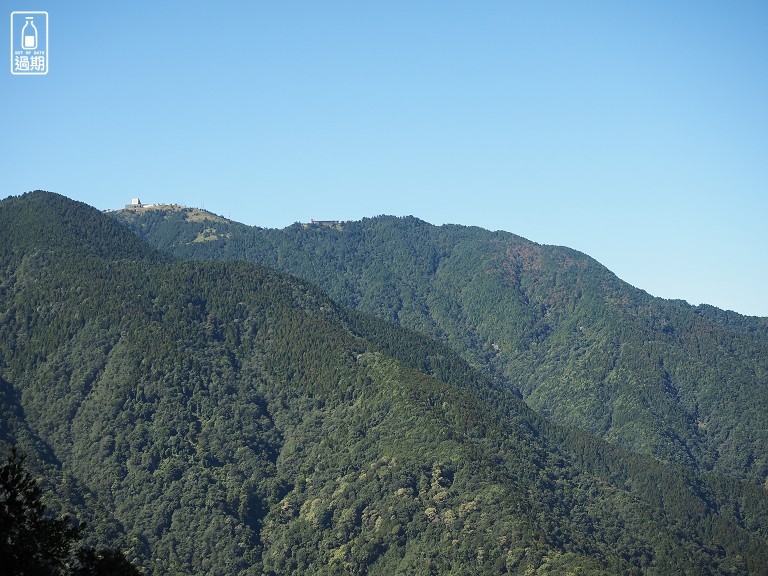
190	214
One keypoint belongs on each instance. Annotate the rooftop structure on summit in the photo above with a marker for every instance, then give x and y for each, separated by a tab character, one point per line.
330	223
136	203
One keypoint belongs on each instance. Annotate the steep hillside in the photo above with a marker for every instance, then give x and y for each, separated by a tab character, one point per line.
684	384
223	418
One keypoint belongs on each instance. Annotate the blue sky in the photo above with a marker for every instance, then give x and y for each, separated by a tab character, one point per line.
636	132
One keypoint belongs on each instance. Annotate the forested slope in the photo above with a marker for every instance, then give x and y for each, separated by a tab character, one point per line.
224	418
685	384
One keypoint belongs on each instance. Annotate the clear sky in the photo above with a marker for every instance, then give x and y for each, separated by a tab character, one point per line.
636	132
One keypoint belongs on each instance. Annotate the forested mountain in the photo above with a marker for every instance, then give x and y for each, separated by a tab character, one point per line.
684	384
226	418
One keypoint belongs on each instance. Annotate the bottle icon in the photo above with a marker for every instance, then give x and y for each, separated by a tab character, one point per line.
29	34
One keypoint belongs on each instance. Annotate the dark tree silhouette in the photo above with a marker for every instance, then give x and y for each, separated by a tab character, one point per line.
34	544
30	542
103	563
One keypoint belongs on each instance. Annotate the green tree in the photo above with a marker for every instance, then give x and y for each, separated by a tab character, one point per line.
34	544
31	542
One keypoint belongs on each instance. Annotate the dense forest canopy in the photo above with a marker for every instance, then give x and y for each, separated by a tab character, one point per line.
684	384
227	418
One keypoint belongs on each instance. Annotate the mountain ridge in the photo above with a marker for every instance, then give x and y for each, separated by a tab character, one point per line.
580	345
228	415
201	215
